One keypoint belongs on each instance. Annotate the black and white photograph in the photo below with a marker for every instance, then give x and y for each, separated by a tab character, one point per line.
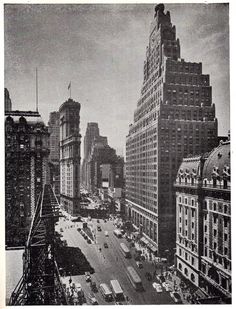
117	153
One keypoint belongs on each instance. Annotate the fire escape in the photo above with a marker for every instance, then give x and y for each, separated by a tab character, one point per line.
40	283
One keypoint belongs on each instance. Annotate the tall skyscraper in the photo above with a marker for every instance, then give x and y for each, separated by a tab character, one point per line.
54	139
70	156
54	156
26	171
174	117
8	104
92	132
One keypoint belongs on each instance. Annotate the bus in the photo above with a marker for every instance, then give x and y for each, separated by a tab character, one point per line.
117	233
117	290
134	278
125	250
106	292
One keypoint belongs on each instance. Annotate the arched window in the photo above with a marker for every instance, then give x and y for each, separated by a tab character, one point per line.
186	272
180	266
192	277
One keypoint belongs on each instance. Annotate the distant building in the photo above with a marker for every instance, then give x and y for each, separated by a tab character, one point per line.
203	221
54	156
175	117
8	104
26	171
101	158
70	156
116	193
91	137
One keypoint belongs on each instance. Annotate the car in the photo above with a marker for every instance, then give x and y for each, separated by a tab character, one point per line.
89	241
157	287
148	275
93	286
87	277
167	287
139	264
176	297
98	220
93	299
79	290
161	278
105	245
99	228
61	230
106	233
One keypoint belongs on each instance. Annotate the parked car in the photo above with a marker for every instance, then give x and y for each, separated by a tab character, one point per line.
167	286
105	245
87	276
106	233
176	297
139	264
157	287
89	241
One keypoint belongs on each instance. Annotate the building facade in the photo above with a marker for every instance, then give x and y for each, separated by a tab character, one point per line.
174	117
54	156
70	140
203	221
26	171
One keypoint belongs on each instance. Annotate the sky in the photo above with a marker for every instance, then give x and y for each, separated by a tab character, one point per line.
101	48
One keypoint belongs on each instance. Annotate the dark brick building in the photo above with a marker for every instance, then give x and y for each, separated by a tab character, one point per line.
26	170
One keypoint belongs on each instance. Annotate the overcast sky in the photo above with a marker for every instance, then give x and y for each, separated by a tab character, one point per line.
101	50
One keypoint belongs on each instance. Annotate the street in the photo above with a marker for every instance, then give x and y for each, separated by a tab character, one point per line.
109	263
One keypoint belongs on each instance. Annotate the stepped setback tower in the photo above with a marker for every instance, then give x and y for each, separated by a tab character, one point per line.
174	118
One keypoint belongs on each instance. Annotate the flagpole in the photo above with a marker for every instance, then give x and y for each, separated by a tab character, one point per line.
70	90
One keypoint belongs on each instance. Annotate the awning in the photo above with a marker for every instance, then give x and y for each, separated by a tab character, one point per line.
144	240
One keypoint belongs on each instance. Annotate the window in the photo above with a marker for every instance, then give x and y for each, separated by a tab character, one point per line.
180	266
205	228
214	206
186	256
193	277
180	251
225	237
225	251
225	209
186	271
215	232
192	261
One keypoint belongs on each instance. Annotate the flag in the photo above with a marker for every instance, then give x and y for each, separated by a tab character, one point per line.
69	85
